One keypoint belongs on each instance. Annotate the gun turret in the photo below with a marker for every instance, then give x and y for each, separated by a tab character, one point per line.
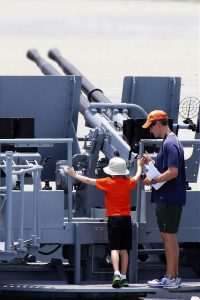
95	118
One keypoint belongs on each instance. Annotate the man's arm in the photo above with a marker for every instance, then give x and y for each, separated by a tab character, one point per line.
169	174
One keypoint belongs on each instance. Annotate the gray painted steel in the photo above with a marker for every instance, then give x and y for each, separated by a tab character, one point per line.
152	93
66	229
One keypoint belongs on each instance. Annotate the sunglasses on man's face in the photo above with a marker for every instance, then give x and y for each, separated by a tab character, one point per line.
153	124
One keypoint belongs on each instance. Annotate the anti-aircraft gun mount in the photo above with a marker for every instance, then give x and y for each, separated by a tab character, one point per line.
65	227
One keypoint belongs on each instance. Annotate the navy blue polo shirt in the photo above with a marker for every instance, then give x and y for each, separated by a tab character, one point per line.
171	154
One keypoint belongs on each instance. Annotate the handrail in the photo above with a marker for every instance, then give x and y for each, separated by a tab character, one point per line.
41	141
36	170
8	227
28	170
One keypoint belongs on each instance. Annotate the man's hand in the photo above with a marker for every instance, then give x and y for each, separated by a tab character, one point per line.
147	180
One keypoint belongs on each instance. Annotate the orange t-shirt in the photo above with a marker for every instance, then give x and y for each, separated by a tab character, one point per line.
117	194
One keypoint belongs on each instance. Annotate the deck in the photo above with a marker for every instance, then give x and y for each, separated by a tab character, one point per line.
55	290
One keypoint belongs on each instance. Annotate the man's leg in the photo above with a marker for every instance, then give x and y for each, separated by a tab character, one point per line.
172	253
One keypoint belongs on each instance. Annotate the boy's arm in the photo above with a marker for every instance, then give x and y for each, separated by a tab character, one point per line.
148	158
140	164
84	179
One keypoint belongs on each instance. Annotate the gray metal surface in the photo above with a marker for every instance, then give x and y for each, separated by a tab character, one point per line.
153	93
99	290
60	224
53	102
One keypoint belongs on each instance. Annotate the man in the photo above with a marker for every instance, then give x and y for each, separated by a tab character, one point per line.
170	197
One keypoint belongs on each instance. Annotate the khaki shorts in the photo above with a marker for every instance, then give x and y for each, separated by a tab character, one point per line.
168	217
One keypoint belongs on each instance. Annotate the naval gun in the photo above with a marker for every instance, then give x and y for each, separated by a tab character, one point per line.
162	90
47	107
103	115
106	137
71	221
136	90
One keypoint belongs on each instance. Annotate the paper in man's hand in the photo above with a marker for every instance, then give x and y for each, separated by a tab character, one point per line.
154	173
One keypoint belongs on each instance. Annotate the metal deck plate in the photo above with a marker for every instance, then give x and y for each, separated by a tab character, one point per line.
100	291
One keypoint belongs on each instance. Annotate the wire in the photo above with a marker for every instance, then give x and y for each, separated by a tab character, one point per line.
50	252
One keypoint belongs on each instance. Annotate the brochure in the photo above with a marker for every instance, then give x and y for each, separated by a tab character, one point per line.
153	173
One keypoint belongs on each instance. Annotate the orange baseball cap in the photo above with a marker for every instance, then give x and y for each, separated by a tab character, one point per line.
155	115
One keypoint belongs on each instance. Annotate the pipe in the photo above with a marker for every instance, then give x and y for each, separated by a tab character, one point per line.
119	106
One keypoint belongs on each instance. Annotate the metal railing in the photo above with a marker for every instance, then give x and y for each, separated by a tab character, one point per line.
11	170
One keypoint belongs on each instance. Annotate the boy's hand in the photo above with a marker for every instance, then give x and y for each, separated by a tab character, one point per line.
147	157
70	171
141	161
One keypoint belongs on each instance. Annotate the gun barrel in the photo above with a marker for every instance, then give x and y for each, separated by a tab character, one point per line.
93	94
45	67
48	69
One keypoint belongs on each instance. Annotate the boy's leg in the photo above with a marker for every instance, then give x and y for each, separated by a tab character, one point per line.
124	261
114	240
115	260
124	266
119	233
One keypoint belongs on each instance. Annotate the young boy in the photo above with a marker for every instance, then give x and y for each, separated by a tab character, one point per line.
117	203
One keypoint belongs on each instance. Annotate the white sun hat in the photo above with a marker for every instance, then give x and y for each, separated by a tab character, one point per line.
117	166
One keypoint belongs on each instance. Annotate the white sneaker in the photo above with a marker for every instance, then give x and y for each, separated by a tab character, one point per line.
157	283
178	280
165	282
172	283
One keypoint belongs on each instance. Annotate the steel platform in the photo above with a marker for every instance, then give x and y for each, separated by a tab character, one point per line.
55	290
